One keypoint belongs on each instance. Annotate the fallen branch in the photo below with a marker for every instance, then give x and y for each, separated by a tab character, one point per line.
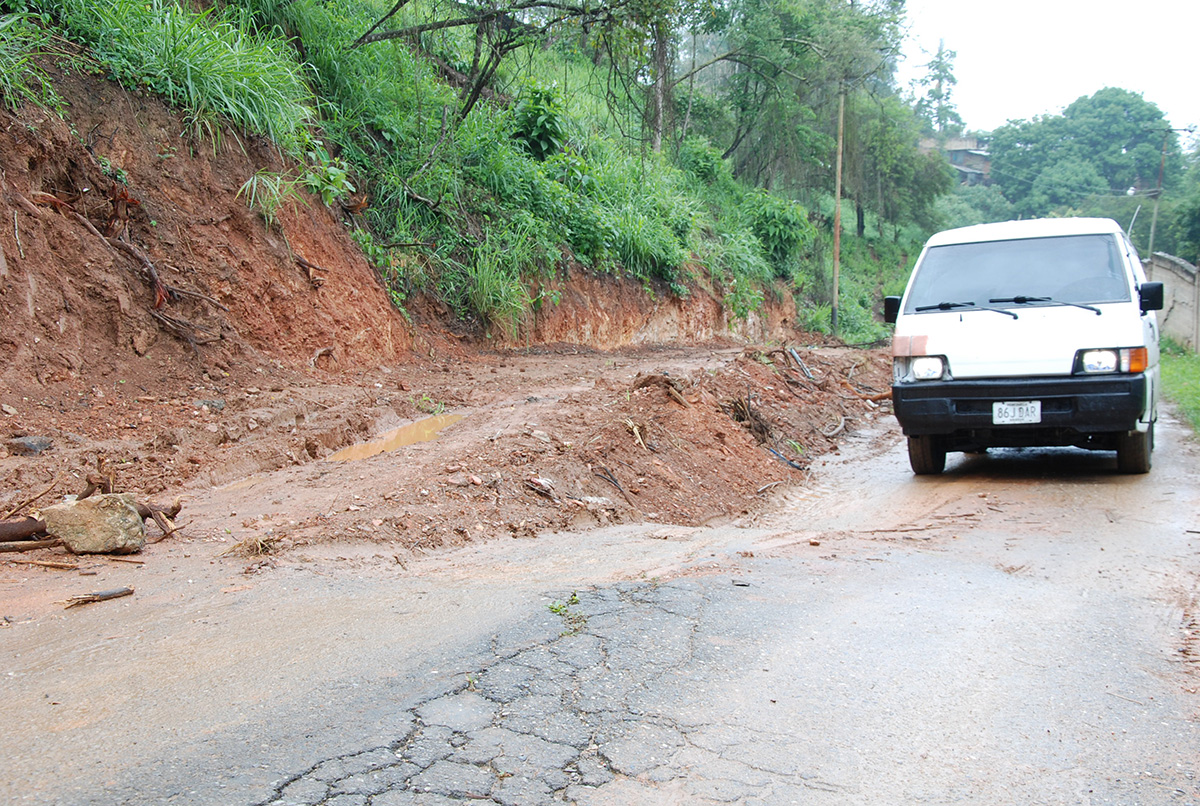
803	367
314	280
187	330
29	545
174	291
161	295
875	398
22	529
608	476
162	516
100	596
89	226
48	564
26	205
312	362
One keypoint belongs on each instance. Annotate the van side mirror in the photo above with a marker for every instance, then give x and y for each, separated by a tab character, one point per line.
891	308
1151	296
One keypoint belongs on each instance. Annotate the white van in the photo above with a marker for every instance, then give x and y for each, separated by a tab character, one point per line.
1024	334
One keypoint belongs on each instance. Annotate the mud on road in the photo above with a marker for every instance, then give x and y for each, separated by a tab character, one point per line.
547	439
1020	629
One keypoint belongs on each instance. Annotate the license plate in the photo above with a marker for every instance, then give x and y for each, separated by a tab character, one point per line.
1017	413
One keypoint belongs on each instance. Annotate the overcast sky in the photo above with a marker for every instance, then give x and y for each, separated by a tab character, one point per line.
1022	58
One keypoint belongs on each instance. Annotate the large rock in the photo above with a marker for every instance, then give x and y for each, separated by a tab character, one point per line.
100	524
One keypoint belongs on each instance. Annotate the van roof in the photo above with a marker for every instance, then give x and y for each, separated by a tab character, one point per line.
1032	228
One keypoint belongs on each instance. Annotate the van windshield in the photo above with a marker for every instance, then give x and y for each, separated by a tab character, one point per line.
1073	269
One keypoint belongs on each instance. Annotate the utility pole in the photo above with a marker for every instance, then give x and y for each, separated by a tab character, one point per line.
837	211
1158	191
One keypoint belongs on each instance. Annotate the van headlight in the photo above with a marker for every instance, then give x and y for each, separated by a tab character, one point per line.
1110	359
919	368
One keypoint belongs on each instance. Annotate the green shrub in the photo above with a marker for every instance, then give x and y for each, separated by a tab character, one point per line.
699	158
540	120
781	226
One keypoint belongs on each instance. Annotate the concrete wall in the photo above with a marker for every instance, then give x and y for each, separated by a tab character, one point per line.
1179	319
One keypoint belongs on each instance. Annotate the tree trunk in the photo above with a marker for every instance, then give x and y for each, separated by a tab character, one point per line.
662	83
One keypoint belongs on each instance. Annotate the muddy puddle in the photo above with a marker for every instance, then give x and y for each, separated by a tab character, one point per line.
420	431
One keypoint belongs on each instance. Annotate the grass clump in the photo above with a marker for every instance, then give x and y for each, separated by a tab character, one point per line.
1181	380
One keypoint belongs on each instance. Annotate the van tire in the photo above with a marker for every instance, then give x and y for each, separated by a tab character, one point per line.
1133	451
926	455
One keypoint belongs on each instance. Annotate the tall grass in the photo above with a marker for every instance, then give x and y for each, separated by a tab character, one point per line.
209	63
20	78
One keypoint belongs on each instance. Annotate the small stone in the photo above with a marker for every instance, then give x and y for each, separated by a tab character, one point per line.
29	446
9	410
540	435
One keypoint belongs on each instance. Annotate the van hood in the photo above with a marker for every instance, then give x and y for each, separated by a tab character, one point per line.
1041	341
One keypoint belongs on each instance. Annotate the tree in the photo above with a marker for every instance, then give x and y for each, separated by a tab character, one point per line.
934	107
501	30
1185	223
1118	135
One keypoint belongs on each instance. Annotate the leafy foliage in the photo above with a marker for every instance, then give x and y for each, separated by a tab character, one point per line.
540	121
781	226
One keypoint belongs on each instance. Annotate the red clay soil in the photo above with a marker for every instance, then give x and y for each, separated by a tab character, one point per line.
157	333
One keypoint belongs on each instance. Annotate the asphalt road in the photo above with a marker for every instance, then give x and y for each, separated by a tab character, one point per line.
1019	630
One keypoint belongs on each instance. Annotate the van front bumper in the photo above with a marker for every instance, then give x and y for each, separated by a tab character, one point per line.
1077	410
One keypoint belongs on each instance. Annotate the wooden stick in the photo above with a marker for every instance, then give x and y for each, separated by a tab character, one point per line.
17	233
29	545
47	564
673	392
125	560
100	596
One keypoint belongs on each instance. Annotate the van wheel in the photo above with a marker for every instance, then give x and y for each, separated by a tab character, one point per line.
1133	451
926	455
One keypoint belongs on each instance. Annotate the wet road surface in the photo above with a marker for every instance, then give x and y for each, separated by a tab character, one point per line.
1018	630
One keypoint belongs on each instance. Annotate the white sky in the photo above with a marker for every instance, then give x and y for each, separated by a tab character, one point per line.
1021	58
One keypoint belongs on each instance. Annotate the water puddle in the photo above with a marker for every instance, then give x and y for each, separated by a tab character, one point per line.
420	431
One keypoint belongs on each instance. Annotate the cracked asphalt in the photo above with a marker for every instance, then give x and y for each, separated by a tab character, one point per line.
1020	630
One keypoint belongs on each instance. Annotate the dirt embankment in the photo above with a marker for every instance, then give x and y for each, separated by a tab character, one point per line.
154	329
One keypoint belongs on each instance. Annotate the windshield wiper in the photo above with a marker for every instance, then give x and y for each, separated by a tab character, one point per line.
947	306
1051	300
